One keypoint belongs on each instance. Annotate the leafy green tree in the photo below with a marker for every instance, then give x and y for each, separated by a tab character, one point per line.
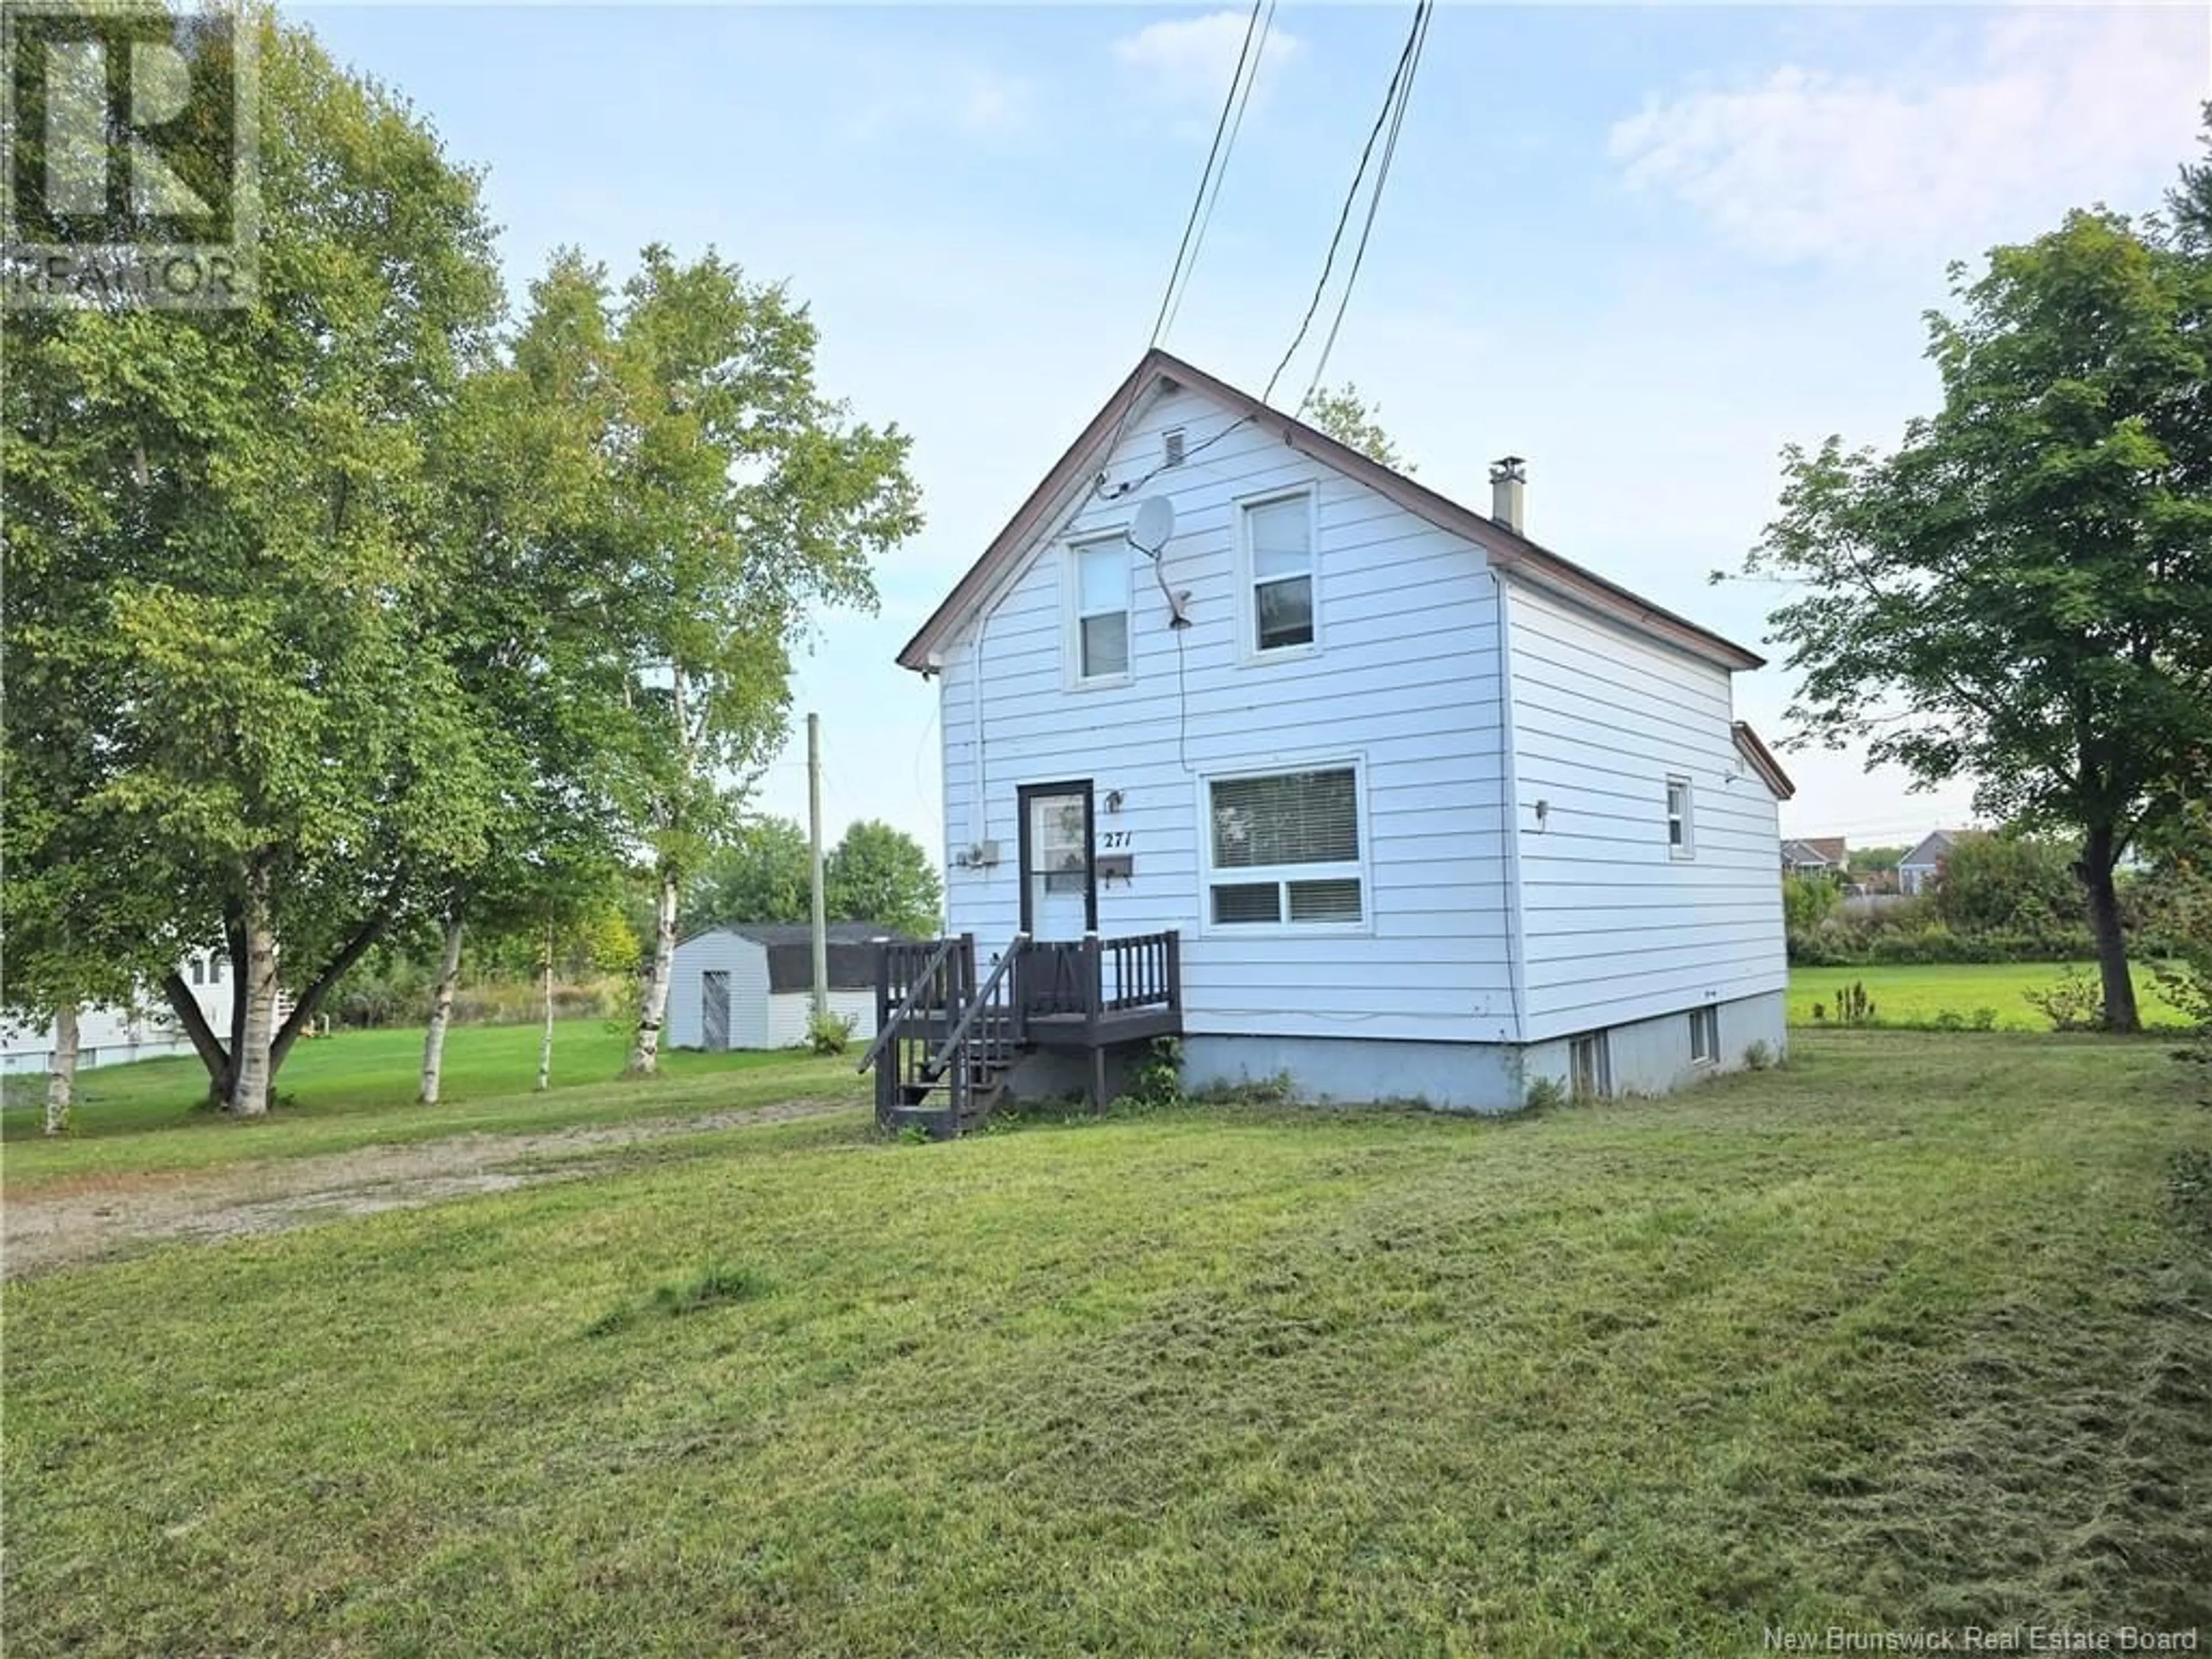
731	497
1344	414
238	504
1877	859
765	872
1807	901
880	874
2191	201
2008	884
2021	593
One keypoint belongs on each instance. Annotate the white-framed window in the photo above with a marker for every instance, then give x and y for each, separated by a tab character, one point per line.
1704	1035
215	969
1681	831
1589	1062
1277	536
1286	850
199	970
1098	610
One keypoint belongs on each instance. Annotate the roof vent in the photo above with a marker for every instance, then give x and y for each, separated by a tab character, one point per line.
1172	442
1508	477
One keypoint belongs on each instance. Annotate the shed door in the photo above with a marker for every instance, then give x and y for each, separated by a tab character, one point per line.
714	1009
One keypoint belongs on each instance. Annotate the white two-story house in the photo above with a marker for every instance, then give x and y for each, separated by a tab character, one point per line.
1433	813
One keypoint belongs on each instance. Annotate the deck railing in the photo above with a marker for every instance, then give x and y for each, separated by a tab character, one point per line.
940	1026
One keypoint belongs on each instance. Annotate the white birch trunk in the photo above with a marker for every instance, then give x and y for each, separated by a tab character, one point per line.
645	1051
442	1013
61	1081
251	1074
545	1042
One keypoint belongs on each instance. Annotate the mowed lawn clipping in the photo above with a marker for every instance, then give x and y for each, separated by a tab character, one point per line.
1918	995
1914	1333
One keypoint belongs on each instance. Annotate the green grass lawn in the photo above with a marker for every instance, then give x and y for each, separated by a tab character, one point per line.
349	1090
1915	995
1912	1332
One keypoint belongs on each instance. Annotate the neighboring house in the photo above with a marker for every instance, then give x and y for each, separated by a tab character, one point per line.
1814	855
109	1035
752	986
1430	812
1918	870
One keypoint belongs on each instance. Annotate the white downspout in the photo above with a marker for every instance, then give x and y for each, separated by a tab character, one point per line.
1510	805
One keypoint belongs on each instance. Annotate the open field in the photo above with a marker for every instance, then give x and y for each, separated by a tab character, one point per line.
350	1090
1917	994
1915	1332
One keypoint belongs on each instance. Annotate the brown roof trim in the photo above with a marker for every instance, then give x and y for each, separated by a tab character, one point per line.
1509	551
1761	759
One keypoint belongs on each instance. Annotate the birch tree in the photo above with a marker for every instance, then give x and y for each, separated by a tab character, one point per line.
732	498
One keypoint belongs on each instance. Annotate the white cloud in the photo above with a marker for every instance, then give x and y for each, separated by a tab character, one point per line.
974	100
1190	61
2059	108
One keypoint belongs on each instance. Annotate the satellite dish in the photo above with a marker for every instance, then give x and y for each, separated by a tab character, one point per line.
1154	524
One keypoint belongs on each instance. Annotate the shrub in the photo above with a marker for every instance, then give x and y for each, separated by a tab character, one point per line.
1157	1081
1808	901
1983	1019
1546	1094
1854	1007
1758	1057
829	1034
2075	1003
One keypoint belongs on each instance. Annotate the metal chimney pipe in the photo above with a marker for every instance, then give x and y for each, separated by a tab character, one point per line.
1508	479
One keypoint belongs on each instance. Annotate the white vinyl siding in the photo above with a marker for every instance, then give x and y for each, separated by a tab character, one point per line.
1408	686
1616	926
1284	850
1277	537
1098	622
789	1012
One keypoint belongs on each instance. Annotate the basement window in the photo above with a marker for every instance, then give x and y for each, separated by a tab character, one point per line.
1284	851
1704	1035
1589	1062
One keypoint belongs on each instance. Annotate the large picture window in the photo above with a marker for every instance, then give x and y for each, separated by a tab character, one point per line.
1285	849
1100	625
1279	564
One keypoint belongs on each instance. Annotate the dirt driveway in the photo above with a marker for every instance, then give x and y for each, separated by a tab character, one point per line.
67	1222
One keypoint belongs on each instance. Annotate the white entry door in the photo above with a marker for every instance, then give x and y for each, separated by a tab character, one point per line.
1057	895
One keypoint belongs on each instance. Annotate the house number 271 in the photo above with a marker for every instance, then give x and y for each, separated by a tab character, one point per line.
1114	837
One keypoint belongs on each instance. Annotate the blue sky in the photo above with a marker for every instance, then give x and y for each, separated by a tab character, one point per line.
1642	246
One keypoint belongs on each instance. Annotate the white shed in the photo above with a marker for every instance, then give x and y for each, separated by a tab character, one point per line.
751	985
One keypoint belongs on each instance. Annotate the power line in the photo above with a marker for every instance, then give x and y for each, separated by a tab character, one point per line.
1244	103
1231	104
1421	19
1343	216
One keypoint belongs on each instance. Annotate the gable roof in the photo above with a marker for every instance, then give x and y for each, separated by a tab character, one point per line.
1758	756
1797	851
1509	551
1935	844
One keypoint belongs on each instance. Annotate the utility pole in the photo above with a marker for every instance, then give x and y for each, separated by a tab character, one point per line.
814	837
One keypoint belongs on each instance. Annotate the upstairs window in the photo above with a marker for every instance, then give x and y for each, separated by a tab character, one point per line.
1278	559
1100	629
1285	850
1681	841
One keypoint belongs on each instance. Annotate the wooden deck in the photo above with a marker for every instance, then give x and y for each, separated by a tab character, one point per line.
950	1028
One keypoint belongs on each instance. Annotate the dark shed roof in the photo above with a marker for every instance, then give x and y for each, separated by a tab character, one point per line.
791	952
